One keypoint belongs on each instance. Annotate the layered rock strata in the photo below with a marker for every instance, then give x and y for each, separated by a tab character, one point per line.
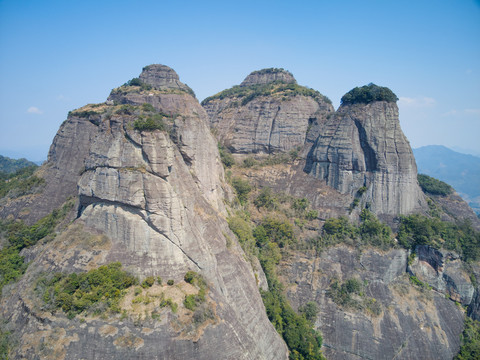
268	113
363	146
387	318
156	199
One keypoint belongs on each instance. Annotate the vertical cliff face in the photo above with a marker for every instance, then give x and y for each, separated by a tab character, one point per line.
61	172
364	146
267	113
387	319
152	186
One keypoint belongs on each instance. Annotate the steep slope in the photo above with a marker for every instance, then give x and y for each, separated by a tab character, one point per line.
363	146
150	196
267	113
386	318
61	172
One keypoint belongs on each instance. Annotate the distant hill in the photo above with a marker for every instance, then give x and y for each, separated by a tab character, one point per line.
459	170
9	166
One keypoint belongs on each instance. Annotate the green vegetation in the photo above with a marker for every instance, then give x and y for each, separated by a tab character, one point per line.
9	166
367	94
4	344
370	232
95	291
271	71
422	230
21	182
245	94
226	156
84	114
470	348
351	294
415	281
139	83
19	236
242	188
150	123
170	282
148	282
266	242
310	310
434	186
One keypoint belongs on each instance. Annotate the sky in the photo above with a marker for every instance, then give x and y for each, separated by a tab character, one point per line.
56	56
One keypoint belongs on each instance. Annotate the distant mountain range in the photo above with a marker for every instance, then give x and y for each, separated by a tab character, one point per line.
9	166
459	170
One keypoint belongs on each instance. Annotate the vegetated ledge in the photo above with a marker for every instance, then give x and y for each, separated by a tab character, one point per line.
368	94
245	94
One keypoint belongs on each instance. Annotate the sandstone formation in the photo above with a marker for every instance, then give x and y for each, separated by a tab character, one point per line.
364	146
443	270
61	172
162	77
390	319
155	198
267	76
268	113
151	193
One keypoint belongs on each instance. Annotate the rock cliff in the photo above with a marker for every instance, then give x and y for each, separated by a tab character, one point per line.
363	146
267	113
151	193
151	196
386	319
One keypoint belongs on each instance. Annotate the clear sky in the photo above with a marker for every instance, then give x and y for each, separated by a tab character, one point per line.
56	56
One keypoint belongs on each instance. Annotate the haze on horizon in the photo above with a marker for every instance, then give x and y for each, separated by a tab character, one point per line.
57	56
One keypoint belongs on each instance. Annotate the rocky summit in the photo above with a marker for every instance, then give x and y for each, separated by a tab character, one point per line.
363	152
268	113
259	224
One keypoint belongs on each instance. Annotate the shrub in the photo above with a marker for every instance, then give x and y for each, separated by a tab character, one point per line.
148	282
21	182
170	282
20	236
367	94
434	186
226	156
470	348
266	199
242	188
95	290
134	82
278	231
150	123
310	310
148	107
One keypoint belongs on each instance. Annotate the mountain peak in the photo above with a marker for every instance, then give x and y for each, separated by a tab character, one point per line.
266	76
161	77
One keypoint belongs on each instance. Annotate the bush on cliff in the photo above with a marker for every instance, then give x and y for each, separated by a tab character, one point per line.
96	290
433	186
367	94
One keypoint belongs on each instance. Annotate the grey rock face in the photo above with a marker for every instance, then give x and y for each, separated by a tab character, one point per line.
363	145
267	124
443	271
61	172
162	77
157	198
410	325
267	76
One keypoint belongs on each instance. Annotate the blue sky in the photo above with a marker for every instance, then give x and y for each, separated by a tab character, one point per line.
56	56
